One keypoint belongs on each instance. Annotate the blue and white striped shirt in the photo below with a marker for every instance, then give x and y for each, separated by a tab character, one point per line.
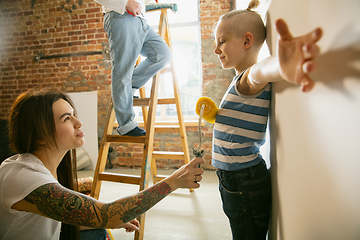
240	128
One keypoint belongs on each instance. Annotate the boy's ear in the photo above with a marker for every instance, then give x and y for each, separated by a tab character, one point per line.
248	40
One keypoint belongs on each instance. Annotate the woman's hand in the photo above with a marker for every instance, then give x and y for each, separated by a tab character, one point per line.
187	176
131	226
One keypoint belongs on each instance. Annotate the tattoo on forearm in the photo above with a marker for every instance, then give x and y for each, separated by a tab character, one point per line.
63	204
71	207
130	208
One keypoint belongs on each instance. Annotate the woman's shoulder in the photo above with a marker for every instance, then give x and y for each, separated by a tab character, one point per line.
20	159
24	171
25	163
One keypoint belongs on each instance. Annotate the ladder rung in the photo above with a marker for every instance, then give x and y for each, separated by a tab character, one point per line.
167	155
165	70
119	138
158	178
167	129
158	129
120	178
190	123
166	101
141	102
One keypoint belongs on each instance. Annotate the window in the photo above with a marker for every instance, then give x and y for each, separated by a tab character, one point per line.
185	38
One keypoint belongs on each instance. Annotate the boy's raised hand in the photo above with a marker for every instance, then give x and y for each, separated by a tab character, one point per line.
296	55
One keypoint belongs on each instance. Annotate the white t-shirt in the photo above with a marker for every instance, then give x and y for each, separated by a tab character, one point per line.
20	175
119	5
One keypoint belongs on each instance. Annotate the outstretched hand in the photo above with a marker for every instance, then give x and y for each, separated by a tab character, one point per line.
296	55
188	175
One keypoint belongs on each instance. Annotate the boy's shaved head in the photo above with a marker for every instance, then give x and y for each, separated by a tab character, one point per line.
244	21
247	21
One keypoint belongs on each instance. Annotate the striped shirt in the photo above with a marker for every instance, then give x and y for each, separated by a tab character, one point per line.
240	128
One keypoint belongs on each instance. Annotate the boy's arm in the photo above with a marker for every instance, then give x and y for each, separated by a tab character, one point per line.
293	63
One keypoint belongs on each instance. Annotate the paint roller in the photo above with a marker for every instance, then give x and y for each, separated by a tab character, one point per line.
210	109
206	109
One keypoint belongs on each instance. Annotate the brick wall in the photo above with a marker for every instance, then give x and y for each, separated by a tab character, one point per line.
33	29
41	28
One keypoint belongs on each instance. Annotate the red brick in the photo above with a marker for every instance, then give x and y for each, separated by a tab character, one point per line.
47	28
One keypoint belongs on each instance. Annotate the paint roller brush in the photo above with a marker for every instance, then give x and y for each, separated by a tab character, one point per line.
206	109
210	109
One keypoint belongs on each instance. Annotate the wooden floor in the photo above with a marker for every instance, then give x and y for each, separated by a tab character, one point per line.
180	216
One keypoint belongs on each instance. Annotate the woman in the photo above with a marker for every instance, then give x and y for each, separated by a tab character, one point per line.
37	184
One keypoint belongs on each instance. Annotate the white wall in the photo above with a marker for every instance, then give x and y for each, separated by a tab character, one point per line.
86	107
315	137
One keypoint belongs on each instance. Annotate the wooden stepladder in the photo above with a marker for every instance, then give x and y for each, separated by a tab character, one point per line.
149	116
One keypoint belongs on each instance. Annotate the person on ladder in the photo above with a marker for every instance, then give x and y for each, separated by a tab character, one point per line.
129	36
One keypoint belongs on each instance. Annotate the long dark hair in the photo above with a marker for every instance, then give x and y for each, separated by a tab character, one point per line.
31	122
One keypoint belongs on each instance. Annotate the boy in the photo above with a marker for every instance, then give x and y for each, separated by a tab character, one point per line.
240	125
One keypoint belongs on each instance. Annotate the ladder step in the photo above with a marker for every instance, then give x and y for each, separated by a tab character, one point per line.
158	178
168	155
167	129
142	102
120	178
158	129
152	125
119	138
166	101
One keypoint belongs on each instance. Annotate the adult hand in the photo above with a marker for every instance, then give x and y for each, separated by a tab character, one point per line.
131	226
296	55
133	7
187	176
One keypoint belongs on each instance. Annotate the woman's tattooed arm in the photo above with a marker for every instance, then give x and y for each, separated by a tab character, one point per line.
59	203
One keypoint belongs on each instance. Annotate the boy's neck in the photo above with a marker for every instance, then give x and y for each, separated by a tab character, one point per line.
250	59
244	66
